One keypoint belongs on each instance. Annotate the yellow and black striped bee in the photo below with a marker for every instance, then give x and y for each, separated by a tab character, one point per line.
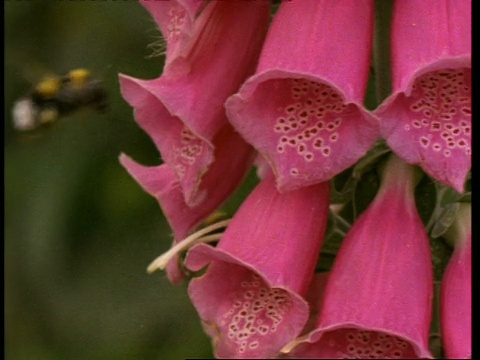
56	96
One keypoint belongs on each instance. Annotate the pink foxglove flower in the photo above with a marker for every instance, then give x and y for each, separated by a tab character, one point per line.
377	301
427	120
250	298
217	184
456	293
183	110
302	110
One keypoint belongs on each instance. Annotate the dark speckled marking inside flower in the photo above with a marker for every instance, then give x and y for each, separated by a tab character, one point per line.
257	312
190	148
441	107
362	344
309	122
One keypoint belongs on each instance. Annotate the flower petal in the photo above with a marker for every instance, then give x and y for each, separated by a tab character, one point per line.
227	42
233	159
183	110
175	19
250	298
377	301
456	290
456	305
427	120
184	152
304	103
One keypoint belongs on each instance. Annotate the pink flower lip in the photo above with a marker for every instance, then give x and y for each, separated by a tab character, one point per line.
256	320
187	153
356	342
430	124
300	123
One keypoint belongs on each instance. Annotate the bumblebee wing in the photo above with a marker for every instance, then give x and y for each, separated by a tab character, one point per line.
25	115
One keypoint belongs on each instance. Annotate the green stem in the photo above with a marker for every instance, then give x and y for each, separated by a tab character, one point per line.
462	225
435	333
396	171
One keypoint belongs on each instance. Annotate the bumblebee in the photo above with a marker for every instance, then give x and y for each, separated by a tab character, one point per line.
57	96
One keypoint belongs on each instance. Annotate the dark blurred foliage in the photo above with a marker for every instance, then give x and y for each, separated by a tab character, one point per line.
79	232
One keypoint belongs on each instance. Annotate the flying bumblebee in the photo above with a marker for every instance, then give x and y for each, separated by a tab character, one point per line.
56	96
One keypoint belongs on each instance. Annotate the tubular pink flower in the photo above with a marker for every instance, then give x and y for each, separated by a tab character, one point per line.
456	292
427	119
250	298
183	110
302	110
377	301
175	19
233	159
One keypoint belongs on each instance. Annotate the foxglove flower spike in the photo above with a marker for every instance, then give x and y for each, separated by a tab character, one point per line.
183	110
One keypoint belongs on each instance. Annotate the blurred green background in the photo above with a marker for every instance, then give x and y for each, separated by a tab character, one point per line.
79	232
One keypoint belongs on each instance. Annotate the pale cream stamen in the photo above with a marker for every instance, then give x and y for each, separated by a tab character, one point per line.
292	344
198	237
